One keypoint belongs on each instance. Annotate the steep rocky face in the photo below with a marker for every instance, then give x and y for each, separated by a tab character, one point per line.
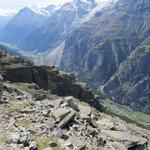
131	83
58	24
99	46
96	50
20	25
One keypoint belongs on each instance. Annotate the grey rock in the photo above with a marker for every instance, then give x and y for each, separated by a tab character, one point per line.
118	146
61	134
57	102
130	141
27	110
72	102
33	145
81	147
49	124
85	111
68	144
24	140
60	113
46	113
67	119
15	137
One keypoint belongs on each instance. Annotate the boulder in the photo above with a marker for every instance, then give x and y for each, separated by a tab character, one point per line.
67	119
72	102
60	113
105	123
130	141
33	145
50	124
57	102
85	111
15	137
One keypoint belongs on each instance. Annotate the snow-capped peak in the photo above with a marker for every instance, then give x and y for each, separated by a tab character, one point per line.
40	11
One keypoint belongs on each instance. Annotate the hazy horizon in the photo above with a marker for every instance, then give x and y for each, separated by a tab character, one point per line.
11	6
8	7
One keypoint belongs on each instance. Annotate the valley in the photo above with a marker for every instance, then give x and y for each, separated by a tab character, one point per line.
76	76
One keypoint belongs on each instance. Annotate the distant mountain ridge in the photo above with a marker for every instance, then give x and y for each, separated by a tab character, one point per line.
106	45
20	25
57	26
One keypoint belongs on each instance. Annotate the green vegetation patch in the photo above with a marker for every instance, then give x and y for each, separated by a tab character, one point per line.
127	114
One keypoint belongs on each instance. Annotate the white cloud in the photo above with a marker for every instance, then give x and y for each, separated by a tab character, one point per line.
7	12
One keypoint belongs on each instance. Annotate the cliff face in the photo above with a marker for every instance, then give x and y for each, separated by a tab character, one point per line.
98	48
131	83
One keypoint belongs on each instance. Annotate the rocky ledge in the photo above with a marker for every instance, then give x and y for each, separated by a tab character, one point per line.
32	122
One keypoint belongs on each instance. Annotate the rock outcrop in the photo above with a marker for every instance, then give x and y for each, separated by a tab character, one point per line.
20	70
48	78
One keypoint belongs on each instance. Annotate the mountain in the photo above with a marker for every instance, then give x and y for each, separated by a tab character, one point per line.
50	8
44	108
4	20
102	47
130	85
21	25
58	24
101	43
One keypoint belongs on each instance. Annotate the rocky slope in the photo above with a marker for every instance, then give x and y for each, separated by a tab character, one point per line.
61	123
35	118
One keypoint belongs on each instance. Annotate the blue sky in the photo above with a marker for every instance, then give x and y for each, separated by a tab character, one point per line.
14	5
